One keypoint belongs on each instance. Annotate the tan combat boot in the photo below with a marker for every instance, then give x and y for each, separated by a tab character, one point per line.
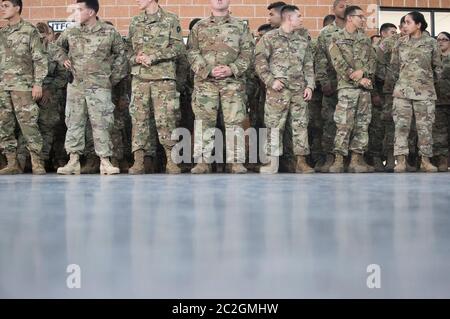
338	165
171	166
238	168
91	166
12	166
201	168
401	164
72	167
271	167
106	168
138	166
328	162
37	164
442	164
426	166
302	166
390	163
378	164
358	165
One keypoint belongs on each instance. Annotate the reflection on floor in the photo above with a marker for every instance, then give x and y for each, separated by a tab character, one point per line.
220	236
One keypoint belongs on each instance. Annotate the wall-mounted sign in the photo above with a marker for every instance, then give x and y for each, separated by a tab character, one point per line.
59	26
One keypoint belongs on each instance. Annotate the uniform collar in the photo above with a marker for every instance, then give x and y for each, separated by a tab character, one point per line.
287	35
217	19
96	27
15	27
144	16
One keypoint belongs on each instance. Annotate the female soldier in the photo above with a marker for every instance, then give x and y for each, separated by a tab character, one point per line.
442	122
416	63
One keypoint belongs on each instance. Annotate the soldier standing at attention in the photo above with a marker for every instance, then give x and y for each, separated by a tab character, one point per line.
284	62
95	54
416	65
354	60
287	160
220	51
326	76
156	43
24	67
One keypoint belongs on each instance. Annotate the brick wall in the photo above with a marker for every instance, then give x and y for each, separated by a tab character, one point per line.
120	11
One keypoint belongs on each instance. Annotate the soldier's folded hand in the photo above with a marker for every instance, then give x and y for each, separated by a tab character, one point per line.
36	92
68	64
278	85
221	72
307	94
366	83
357	75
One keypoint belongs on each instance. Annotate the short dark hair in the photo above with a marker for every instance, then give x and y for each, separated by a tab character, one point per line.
385	26
193	22
350	10
43	28
328	19
91	4
16	3
276	5
418	18
264	27
287	9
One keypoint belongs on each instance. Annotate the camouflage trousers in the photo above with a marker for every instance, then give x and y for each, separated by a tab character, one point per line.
51	118
329	126
441	130
404	112
119	136
96	106
155	113
281	108
352	116
208	98
15	105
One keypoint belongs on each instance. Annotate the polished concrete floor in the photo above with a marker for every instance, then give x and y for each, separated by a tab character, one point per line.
222	236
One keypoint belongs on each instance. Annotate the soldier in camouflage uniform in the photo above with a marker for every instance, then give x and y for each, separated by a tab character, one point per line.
287	160
326	76
24	65
376	127
441	126
354	60
95	54
416	65
156	43
220	51
2	92
53	98
284	62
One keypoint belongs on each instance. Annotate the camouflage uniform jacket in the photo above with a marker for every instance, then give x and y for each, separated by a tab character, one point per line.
416	66
286	57
350	52
158	36
220	41
25	61
97	54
